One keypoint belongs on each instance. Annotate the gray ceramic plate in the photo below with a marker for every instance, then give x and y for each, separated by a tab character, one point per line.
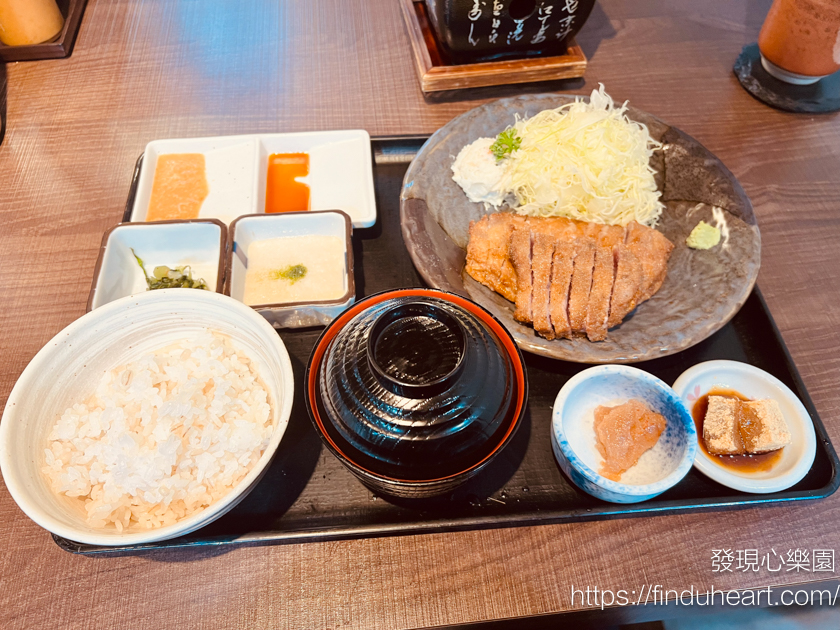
702	291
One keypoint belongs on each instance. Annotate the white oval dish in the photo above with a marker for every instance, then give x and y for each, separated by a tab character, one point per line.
573	434
72	362
754	383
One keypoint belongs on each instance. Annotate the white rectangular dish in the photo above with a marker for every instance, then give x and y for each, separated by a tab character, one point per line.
249	230
199	243
340	172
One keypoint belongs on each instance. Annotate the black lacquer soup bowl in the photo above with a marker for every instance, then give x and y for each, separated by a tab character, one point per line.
415	390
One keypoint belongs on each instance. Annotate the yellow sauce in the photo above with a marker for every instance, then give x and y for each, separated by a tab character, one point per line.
294	269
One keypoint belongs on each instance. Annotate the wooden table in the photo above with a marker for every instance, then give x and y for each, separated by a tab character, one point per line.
147	69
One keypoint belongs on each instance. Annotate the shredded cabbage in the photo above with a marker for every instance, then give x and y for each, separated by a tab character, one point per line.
585	161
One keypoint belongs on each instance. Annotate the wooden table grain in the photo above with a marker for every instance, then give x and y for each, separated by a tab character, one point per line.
148	69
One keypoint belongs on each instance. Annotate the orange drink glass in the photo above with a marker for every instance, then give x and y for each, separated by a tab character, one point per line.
800	40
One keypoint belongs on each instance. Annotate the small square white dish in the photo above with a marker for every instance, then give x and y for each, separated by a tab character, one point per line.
340	172
248	230
199	243
795	459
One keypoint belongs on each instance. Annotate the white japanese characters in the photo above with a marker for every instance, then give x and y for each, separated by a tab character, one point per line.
744	560
483	13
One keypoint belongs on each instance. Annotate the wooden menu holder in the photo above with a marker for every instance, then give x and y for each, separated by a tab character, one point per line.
436	75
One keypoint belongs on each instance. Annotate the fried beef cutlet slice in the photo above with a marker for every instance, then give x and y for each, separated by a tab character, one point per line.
627	287
605	235
487	252
559	228
541	266
640	265
653	250
598	308
581	285
520	256
561	280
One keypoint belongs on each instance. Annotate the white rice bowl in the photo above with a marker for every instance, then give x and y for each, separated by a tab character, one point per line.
174	460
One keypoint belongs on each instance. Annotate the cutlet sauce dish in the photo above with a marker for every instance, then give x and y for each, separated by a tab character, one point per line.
416	390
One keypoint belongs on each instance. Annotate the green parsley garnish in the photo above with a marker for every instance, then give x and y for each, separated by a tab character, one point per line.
506	143
292	273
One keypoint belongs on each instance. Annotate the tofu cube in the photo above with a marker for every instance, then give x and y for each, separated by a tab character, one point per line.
771	432
720	426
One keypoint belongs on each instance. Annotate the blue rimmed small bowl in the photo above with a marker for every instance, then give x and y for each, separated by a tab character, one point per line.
573	434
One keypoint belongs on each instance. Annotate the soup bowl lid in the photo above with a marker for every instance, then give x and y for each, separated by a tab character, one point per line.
416	384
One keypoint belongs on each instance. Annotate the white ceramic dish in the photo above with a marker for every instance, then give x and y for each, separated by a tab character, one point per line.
340	172
198	243
245	231
71	363
574	442
797	458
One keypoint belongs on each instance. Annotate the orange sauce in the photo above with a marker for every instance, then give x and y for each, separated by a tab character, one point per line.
283	193
179	188
802	36
742	463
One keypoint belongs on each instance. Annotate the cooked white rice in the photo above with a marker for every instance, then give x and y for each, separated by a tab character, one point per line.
162	437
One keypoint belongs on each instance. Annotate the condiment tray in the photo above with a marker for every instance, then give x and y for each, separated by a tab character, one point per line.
340	175
307	494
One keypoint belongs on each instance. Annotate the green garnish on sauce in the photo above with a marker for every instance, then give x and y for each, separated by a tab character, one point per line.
166	278
292	273
506	143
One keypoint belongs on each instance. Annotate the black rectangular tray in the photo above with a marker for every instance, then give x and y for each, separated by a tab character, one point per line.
308	495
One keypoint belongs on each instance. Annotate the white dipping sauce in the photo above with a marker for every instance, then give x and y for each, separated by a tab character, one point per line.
482	177
268	279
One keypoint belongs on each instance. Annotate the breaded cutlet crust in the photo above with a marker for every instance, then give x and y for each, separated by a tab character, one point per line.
599	297
541	260
520	256
561	279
